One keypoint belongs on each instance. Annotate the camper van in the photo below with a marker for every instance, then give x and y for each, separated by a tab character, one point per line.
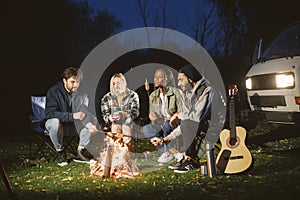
273	81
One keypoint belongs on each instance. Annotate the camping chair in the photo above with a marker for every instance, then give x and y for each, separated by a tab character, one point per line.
37	120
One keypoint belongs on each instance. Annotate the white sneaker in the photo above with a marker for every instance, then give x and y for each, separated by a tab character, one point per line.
178	156
165	157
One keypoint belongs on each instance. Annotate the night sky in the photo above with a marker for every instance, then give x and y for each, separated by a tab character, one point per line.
32	42
178	12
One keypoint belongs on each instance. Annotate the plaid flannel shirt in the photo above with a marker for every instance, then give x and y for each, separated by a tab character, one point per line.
130	104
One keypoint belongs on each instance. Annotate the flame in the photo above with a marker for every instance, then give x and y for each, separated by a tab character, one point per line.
114	161
147	86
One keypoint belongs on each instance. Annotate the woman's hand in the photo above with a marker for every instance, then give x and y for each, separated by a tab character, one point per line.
111	118
119	115
152	116
159	141
156	141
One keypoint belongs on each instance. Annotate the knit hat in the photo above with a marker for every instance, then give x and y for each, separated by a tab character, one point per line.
191	72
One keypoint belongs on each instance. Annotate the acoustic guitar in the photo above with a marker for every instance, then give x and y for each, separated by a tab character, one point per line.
234	156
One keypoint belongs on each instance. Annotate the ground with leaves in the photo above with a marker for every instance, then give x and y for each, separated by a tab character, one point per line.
275	174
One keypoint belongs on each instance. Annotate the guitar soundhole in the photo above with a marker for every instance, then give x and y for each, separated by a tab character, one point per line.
232	141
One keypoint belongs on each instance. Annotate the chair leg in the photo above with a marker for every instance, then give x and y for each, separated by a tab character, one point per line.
68	140
37	151
43	144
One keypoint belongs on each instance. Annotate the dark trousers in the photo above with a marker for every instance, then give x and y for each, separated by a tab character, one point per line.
192	134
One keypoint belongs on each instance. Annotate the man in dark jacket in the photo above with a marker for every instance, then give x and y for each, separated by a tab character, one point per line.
66	112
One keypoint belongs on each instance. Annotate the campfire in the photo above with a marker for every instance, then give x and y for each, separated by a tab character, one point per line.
114	161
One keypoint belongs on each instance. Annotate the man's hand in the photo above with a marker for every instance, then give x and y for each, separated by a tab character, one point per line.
79	115
174	120
166	139
92	128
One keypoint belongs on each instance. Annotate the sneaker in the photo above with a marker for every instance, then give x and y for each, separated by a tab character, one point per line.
82	157
186	166
178	156
62	158
165	157
177	164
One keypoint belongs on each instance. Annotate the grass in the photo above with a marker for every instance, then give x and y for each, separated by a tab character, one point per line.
275	174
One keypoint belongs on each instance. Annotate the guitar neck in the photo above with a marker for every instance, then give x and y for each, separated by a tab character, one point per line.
232	120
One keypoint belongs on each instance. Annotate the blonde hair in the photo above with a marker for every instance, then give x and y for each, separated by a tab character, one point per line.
122	77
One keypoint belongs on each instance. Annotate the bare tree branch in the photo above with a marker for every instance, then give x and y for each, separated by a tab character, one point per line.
204	22
142	8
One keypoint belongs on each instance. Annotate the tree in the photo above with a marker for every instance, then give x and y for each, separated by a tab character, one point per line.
232	26
143	10
103	26
203	23
93	27
41	38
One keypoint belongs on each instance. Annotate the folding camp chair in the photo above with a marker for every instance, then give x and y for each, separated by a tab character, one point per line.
37	119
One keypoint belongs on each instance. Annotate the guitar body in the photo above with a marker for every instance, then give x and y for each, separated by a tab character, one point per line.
233	158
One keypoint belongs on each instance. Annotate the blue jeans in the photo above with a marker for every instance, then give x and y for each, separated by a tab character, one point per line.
57	131
157	130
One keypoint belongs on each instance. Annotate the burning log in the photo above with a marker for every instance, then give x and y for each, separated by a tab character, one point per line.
107	167
114	161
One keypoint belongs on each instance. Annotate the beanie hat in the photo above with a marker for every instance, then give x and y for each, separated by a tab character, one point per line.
191	72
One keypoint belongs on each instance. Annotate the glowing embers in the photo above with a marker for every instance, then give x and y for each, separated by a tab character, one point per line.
115	160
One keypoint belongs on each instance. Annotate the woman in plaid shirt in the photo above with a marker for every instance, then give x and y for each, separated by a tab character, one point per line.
120	106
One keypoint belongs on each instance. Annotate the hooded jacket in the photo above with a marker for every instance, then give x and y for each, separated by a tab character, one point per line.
197	105
61	105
